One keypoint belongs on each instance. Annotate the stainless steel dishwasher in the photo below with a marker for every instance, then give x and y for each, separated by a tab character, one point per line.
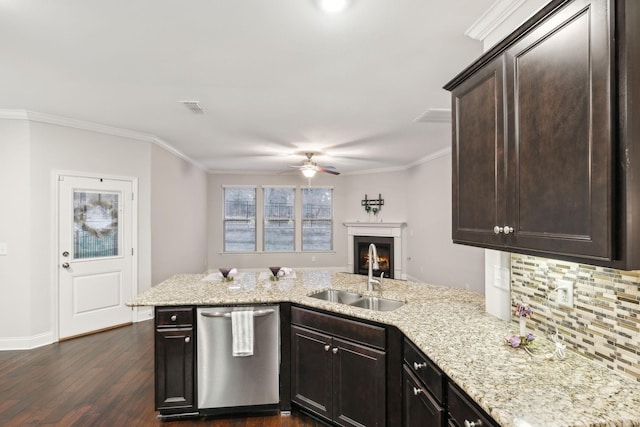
227	381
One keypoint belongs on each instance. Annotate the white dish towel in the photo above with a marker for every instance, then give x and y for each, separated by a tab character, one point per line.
242	333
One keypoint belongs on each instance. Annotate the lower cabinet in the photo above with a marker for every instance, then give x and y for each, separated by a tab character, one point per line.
174	360
423	390
465	412
420	408
338	368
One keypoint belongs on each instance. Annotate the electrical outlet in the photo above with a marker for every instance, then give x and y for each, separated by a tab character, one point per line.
565	294
501	278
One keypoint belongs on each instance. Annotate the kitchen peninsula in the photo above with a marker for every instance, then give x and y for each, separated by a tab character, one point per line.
452	329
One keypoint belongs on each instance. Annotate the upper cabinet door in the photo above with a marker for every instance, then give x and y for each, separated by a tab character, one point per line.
478	154
560	137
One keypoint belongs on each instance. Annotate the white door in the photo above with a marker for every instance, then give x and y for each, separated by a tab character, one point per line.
95	255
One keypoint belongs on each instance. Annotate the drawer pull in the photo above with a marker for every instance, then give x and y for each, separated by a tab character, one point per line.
417	391
335	350
187	339
174	318
477	423
418	366
327	347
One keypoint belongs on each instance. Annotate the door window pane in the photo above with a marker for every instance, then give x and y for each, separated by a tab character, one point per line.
95	224
317	219
239	219
279	223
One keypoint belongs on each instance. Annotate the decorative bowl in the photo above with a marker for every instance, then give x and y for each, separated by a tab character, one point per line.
274	271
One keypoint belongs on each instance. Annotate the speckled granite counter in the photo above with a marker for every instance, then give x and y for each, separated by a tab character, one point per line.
451	327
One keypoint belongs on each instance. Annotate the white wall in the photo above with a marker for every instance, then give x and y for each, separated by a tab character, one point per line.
15	216
336	259
178	216
61	148
31	152
392	186
433	256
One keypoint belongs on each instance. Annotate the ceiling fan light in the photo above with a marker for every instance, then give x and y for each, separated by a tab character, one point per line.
308	172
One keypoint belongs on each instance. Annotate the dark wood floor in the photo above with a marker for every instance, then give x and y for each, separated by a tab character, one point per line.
105	379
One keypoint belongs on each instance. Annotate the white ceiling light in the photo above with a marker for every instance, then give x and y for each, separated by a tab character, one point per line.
333	6
308	172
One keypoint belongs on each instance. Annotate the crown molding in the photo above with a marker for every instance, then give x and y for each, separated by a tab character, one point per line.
96	127
497	13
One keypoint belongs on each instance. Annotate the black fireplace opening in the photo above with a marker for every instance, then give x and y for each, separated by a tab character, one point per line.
384	247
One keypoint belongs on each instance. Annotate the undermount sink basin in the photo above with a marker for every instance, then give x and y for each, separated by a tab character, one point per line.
377	304
355	299
334	295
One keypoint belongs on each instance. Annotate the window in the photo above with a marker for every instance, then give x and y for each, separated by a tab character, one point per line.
239	219
317	219
279	219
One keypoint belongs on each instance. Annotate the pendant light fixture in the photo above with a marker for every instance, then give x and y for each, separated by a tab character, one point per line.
333	6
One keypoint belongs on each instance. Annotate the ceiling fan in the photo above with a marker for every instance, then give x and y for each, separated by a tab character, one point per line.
309	167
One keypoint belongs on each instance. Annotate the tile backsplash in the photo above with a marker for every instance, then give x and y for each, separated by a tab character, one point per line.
604	323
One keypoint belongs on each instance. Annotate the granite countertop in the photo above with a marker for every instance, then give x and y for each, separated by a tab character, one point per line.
452	328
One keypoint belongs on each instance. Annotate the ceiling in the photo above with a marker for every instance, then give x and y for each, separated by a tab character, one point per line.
275	78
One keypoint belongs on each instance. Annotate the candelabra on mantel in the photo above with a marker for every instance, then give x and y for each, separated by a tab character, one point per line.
372	205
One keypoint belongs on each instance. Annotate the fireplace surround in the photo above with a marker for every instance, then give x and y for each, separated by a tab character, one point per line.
392	230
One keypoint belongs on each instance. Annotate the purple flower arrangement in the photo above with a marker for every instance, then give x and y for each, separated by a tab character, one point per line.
522	311
516	341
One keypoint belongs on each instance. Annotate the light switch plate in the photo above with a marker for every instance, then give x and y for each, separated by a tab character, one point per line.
3	248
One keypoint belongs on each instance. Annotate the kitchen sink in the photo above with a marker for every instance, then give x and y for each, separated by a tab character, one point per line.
355	299
377	304
334	295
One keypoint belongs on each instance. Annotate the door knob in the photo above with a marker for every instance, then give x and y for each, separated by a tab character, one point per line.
508	229
416	391
335	350
327	347
498	230
187	339
65	265
65	254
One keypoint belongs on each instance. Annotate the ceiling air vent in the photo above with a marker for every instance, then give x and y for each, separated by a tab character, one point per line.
435	115
193	106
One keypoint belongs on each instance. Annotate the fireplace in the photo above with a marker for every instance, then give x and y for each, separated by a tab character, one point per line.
393	231
384	246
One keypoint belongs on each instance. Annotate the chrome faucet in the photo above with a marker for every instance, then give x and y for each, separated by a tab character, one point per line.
373	265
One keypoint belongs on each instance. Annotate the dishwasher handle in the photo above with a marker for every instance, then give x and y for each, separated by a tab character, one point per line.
256	313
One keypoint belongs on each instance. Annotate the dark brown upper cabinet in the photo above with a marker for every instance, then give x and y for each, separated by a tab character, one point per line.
545	137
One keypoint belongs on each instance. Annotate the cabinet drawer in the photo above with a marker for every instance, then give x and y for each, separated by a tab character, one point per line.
364	333
425	370
462	408
174	316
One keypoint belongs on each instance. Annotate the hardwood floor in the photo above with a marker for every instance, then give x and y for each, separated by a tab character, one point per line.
105	379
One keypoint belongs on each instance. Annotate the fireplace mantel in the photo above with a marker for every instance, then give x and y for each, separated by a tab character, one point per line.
381	229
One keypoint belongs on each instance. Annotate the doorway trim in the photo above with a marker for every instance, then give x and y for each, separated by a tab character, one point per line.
55	294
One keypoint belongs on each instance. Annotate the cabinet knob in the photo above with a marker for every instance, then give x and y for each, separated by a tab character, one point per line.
498	230
327	347
418	366
187	339
335	350
416	391
174	318
476	423
508	229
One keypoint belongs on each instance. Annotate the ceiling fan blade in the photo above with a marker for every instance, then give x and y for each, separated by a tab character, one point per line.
327	167
321	169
